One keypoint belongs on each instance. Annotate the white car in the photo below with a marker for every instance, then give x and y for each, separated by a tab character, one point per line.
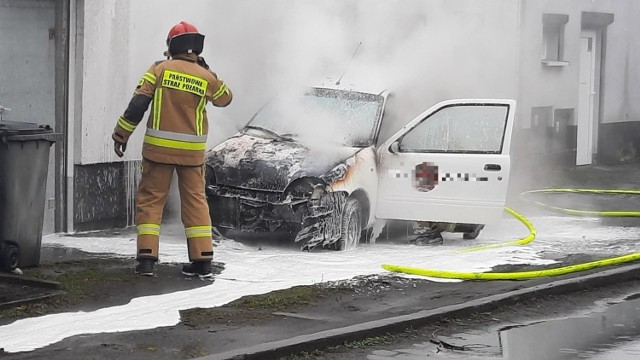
311	164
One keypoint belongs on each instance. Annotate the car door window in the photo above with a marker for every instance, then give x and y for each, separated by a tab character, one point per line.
464	128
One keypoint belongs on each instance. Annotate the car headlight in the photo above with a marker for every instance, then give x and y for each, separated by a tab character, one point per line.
305	188
335	174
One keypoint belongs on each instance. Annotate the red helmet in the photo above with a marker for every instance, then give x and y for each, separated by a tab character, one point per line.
184	38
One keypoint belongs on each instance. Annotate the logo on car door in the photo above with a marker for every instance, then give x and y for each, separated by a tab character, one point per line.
425	176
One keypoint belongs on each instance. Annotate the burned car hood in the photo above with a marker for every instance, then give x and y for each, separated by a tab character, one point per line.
254	162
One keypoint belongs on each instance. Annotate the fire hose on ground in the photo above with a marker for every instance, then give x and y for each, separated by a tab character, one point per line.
522	275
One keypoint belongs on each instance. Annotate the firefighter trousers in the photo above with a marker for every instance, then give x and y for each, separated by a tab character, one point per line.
151	197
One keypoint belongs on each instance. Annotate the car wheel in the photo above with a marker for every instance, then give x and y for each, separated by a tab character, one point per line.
9	257
351	227
474	234
366	235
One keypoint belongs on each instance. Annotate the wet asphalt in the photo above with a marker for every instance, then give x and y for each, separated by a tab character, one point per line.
294	340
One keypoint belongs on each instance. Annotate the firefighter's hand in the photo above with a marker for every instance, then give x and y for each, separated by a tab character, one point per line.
119	148
202	63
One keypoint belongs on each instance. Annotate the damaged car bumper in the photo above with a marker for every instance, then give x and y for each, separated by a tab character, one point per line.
254	211
315	220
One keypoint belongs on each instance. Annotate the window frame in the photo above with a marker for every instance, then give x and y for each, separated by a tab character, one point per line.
553	26
499	151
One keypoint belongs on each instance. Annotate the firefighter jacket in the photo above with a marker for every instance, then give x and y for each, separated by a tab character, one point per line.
177	127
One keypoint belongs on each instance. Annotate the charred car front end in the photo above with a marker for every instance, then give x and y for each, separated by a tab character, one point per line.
292	168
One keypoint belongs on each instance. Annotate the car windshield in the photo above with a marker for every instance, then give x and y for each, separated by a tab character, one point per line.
322	116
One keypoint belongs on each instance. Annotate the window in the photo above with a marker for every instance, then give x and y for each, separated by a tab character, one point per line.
459	129
553	39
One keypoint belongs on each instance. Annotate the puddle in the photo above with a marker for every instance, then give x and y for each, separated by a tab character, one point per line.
52	254
612	333
583	337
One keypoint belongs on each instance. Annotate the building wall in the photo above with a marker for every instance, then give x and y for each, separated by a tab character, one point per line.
557	86
622	80
107	77
543	90
428	46
619	131
423	51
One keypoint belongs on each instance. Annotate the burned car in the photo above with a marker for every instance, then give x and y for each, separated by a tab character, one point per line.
310	164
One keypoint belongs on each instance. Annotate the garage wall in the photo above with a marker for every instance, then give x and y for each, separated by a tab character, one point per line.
27	58
27	75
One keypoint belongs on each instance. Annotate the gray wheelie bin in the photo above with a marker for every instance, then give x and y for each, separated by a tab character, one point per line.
24	163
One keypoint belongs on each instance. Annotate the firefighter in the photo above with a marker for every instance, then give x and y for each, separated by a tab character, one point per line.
176	133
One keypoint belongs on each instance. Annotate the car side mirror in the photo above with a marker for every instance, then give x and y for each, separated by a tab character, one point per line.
395	147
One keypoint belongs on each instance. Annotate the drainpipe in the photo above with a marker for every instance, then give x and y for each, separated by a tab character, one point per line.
71	119
518	57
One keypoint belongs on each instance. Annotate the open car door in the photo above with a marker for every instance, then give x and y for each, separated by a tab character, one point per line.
450	164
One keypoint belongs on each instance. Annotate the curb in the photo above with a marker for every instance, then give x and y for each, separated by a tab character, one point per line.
29	281
45	288
334	337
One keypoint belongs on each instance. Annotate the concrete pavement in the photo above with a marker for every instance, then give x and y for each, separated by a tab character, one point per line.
397	324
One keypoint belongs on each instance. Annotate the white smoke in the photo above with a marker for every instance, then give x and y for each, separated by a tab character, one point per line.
262	49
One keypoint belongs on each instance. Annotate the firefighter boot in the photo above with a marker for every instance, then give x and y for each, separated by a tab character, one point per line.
434	238
201	269
145	266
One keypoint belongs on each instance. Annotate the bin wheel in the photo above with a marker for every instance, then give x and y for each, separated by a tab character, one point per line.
9	257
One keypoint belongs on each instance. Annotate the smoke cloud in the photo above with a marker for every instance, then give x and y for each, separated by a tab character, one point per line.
409	47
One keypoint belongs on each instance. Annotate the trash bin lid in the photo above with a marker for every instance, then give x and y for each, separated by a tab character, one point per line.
22	128
26	131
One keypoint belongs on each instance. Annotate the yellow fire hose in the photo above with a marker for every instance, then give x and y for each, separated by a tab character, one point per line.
523	241
521	275
622	213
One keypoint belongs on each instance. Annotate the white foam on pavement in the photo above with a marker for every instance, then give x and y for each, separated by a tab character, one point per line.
249	272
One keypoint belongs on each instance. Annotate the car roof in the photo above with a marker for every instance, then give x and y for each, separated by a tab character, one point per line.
336	85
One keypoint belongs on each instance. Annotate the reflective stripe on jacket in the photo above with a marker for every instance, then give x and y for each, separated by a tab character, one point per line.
177	126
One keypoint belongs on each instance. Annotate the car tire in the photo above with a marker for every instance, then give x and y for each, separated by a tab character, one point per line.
351	226
365	236
474	234
9	257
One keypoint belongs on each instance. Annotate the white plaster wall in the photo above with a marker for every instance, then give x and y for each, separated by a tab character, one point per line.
426	51
622	73
558	87
107	79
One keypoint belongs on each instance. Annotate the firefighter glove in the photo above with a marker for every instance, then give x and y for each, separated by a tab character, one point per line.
202	63
119	148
